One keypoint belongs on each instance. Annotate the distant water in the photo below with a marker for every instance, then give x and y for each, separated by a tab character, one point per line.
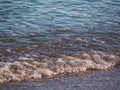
43	38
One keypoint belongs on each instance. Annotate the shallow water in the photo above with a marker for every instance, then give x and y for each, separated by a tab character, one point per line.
52	37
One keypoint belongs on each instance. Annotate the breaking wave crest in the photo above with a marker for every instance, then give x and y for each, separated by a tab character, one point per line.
32	67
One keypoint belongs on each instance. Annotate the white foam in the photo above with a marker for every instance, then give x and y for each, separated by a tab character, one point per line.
26	68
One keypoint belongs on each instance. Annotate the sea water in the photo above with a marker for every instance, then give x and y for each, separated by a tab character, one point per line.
45	38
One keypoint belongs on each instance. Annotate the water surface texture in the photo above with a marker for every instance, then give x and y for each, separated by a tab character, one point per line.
43	38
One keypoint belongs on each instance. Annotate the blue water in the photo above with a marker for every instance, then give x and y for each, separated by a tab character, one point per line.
45	38
59	26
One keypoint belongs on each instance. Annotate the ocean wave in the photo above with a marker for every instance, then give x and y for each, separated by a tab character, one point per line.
32	67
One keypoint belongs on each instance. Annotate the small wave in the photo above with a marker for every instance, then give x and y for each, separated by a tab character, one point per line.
25	68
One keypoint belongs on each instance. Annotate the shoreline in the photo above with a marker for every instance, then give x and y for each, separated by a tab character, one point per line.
93	80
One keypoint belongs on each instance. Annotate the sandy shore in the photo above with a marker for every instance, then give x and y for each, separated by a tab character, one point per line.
95	80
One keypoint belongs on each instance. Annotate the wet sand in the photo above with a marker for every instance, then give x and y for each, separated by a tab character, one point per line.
93	80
